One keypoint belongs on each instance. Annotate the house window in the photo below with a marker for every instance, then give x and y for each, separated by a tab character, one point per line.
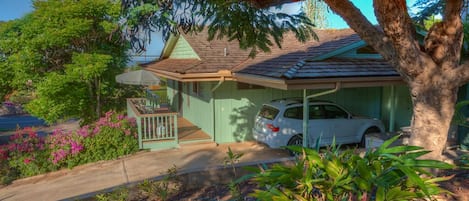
196	88
242	86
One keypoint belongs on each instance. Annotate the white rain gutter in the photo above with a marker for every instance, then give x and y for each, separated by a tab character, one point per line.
219	84
306	109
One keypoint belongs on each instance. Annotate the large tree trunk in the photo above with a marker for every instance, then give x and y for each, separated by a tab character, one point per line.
433	112
433	71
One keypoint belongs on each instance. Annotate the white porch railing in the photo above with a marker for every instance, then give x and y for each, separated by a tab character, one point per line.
157	128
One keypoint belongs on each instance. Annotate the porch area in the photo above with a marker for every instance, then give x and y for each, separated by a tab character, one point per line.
159	127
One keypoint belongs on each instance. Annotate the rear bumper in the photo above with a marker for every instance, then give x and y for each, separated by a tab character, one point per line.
267	139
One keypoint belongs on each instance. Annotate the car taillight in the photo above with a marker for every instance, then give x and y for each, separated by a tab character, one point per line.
273	128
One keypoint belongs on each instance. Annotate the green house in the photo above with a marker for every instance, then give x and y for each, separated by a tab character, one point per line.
215	86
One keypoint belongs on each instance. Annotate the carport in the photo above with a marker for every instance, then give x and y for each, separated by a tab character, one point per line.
329	75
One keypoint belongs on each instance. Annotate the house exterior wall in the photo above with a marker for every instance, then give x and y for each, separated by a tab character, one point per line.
172	92
195	107
235	108
182	50
403	106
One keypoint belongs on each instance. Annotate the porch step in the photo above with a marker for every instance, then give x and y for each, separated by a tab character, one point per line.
197	144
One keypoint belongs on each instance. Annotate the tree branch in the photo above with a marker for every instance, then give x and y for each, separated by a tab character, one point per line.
460	75
397	25
454	30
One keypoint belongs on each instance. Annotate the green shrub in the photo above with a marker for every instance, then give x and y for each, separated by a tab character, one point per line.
464	160
27	153
385	173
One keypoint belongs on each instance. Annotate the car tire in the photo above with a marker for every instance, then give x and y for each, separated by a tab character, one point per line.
295	140
368	131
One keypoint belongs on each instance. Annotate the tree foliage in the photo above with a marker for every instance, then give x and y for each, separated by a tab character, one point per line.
70	51
255	27
427	9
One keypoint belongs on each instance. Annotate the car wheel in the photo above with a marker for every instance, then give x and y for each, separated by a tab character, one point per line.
295	140
368	131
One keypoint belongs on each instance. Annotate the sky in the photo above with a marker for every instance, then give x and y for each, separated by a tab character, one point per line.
12	9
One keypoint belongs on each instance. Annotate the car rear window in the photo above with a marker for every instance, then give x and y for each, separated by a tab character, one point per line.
268	112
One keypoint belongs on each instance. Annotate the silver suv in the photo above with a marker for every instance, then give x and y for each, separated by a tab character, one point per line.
280	123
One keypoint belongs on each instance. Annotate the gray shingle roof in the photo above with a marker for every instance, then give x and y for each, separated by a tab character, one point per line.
292	61
341	68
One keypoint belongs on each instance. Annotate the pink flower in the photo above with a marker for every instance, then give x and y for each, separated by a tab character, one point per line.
76	148
96	130
120	117
132	121
84	131
58	156
109	114
27	160
3	152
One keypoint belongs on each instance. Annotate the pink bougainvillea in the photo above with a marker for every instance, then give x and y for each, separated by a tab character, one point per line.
31	154
84	131
132	121
3	152
28	160
26	141
63	144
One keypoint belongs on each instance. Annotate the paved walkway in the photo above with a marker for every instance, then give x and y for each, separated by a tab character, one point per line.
90	178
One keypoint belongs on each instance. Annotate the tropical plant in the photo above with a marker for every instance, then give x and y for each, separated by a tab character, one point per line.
385	173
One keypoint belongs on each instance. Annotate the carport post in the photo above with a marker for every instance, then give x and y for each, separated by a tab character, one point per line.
392	112
306	109
305	118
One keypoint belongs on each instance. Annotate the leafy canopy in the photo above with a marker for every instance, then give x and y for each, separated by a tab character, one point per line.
254	27
70	51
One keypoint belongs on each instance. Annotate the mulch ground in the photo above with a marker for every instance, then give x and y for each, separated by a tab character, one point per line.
458	185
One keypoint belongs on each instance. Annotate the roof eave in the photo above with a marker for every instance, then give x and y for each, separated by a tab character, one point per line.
346	82
194	77
319	83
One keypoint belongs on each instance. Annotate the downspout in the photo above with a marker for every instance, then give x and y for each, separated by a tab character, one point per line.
392	112
213	104
306	109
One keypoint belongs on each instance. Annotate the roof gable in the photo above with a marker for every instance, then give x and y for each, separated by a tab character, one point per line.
181	49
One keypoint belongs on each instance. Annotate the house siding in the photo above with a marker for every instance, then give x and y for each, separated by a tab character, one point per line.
183	50
403	106
197	108
235	109
227	114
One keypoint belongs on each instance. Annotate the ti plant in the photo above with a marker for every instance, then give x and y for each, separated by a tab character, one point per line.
385	173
